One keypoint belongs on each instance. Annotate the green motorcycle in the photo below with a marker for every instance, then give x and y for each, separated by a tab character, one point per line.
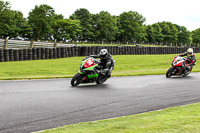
88	73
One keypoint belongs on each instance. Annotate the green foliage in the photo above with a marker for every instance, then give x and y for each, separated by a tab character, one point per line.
166	32
106	27
66	29
44	24
154	33
11	22
4	18
85	18
19	25
131	26
196	36
41	21
4	6
184	35
169	31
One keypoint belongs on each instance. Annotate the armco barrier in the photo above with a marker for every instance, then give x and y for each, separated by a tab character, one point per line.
62	52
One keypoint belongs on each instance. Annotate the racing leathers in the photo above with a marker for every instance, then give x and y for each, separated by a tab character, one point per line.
107	64
190	62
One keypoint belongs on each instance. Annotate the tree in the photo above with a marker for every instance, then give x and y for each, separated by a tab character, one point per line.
66	29
184	36
106	26
154	33
19	26
11	22
85	18
169	31
41	20
166	32
4	15
5	19
131	27
149	34
26	31
196	36
157	33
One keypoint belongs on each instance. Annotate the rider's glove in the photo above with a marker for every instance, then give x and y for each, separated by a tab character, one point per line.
85	58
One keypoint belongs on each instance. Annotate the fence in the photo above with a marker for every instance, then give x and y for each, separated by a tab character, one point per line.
17	44
62	52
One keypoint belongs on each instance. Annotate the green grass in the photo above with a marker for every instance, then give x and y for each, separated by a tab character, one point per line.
184	119
126	65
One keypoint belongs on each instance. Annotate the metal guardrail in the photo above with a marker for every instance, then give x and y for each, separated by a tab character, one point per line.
17	44
2	43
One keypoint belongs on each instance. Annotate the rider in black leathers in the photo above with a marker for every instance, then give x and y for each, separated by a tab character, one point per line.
191	59
107	62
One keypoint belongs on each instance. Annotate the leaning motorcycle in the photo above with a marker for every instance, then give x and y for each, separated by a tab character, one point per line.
177	68
88	73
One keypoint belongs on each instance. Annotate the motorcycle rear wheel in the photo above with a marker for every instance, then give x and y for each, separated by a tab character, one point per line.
76	80
187	73
101	80
169	72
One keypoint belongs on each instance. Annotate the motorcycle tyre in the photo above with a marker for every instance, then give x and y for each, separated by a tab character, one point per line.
76	80
169	72
184	75
101	81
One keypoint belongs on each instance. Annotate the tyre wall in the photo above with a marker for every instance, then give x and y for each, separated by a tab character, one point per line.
63	52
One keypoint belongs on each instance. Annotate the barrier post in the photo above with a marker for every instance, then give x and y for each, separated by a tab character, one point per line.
55	44
31	45
6	44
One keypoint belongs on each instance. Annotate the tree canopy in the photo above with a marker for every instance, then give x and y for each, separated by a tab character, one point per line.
43	23
11	22
196	36
131	26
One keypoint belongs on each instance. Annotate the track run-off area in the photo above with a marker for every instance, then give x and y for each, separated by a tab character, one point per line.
34	105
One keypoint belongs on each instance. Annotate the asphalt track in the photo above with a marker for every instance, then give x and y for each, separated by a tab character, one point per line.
34	105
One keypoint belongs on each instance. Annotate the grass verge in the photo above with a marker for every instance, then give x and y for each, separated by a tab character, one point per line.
126	65
184	119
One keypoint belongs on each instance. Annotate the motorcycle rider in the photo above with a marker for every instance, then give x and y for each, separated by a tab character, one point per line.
191	59
107	62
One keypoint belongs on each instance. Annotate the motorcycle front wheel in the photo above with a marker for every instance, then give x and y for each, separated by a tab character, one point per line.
169	72
76	80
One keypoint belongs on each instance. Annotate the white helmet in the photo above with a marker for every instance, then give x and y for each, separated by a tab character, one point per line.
103	53
190	52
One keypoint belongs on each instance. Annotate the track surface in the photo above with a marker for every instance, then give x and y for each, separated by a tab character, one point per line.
33	105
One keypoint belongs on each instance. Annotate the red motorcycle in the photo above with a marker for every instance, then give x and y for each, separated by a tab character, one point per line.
177	68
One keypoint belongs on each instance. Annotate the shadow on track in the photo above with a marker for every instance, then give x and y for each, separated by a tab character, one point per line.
91	86
181	77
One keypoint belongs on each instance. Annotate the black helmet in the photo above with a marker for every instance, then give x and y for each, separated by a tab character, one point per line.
103	53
